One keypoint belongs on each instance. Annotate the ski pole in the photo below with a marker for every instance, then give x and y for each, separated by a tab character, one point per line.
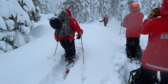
56	48
120	29
83	52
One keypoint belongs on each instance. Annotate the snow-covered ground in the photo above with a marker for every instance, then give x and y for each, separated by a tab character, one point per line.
104	52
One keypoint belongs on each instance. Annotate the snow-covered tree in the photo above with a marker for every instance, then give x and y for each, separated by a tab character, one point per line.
90	10
15	23
79	8
104	8
48	6
148	5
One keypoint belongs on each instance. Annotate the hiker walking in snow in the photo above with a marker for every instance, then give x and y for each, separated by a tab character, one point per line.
68	42
132	22
155	57
105	20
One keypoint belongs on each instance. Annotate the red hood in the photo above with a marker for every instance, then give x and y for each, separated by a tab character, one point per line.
69	12
164	8
133	9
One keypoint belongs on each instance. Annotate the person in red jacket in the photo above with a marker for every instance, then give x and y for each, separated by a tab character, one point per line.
105	20
155	57
132	22
68	42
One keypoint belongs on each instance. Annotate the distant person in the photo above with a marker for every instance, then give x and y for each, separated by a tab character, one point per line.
132	22
105	20
155	57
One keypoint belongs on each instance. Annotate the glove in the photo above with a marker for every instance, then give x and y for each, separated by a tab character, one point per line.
100	21
155	12
78	36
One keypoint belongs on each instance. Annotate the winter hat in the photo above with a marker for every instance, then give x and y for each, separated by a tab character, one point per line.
135	5
164	8
55	23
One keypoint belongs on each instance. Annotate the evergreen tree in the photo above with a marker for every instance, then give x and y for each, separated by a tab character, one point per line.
148	5
79	8
15	23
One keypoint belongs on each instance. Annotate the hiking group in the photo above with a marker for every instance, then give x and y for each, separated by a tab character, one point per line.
153	59
155	56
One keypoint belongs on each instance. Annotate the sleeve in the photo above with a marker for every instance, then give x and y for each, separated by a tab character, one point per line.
102	20
76	27
146	27
56	37
125	22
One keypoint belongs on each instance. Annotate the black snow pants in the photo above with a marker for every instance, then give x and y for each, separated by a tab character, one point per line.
69	47
133	49
105	24
148	75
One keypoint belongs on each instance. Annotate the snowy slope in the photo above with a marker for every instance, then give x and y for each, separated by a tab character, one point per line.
104	50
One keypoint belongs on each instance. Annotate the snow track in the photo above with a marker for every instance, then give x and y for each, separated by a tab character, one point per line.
56	76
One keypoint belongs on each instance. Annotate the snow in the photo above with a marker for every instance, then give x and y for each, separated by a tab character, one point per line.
10	24
2	45
2	34
28	5
25	30
104	52
19	40
2	25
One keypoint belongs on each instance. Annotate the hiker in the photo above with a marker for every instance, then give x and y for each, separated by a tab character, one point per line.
132	22
68	42
155	57
105	20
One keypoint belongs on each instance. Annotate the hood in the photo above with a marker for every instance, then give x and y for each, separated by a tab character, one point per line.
135	8
164	8
69	12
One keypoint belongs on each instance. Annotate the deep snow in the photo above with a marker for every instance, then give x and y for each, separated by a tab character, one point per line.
104	51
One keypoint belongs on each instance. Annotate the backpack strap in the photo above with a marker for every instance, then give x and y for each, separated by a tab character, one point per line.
72	28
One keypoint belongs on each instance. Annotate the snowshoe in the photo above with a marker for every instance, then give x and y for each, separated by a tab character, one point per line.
70	63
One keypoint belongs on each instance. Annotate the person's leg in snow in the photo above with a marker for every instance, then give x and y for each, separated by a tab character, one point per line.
70	52
105	24
137	48
129	48
133	49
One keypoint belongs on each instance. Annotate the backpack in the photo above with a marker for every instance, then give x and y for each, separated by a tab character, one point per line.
61	24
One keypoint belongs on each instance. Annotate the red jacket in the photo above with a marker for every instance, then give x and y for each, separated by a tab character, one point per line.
105	20
155	56
74	24
132	22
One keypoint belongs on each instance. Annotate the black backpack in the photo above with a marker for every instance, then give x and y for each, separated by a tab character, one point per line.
136	78
61	24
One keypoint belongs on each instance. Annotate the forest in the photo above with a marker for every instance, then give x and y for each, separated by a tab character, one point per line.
17	17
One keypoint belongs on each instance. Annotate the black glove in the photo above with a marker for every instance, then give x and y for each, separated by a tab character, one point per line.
78	36
100	21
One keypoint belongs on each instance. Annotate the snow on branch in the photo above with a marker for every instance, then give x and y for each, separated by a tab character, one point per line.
10	24
2	24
